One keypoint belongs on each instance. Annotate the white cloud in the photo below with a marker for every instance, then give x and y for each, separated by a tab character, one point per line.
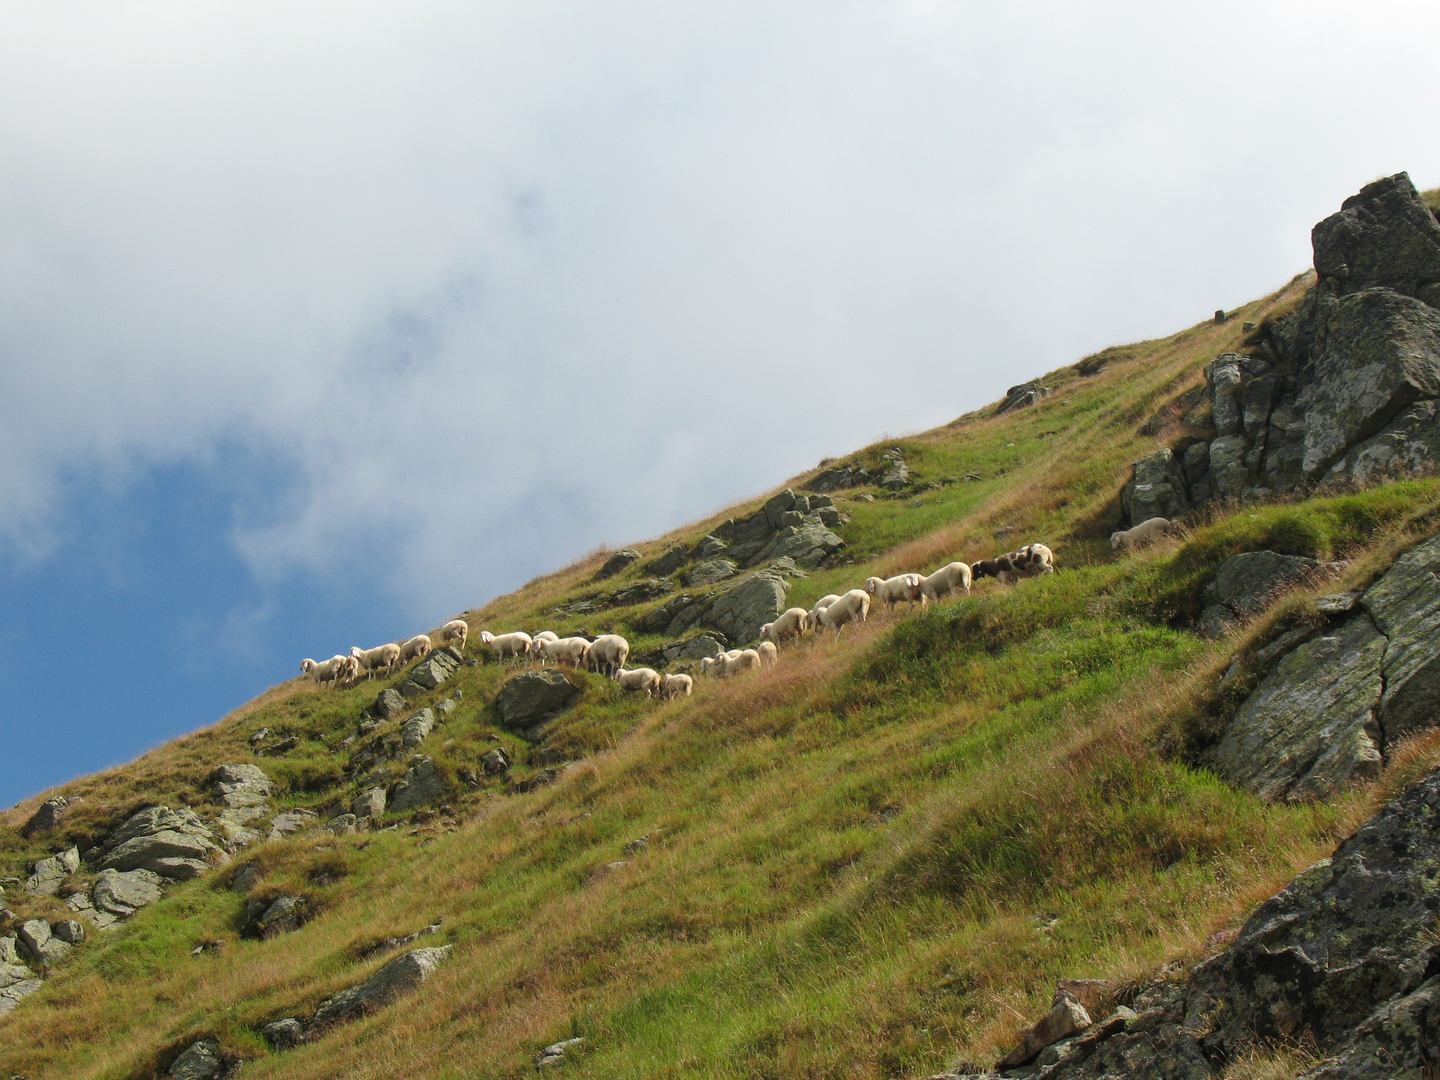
503	281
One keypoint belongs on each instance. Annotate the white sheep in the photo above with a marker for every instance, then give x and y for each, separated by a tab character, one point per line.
854	606
417	648
820	606
543	635
1147	532
894	590
672	686
332	671
743	660
709	665
570	650
506	645
769	655
951	578
792	623
372	660
1036	559
647	679
607	654
457	630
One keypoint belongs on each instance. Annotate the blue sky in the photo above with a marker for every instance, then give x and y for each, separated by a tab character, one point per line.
321	323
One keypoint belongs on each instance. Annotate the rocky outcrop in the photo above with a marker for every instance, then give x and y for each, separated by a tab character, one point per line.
122	893
787	525
242	785
1332	705
49	874
1019	397
402	975
429	673
39	945
840	477
617	563
1346	388
46	817
531	700
1250	582
709	572
421	786
739	611
201	1060
172	843
1157	489
1344	960
283	915
415	730
16	980
673	558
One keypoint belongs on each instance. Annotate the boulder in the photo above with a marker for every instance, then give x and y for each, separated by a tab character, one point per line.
808	544
695	648
617	563
201	1060
429	673
534	698
242	785
283	1034
414	730
10	952
639	593
1026	394
1156	489
709	572
1311	726
1383	236
1405	606
173	843
656	621
46	817
49	874
422	785
896	475
1409	445
495	761
71	931
709	546
370	803
556	1053
283	915
39	945
343	825
402	975
674	558
839	477
740	610
388	705
1248	583
1066	1018
81	904
16	980
123	892
289	823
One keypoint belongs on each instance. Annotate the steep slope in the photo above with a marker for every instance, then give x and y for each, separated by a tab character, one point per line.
870	860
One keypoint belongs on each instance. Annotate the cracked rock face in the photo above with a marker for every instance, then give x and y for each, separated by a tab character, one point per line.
400	976
1331	708
172	843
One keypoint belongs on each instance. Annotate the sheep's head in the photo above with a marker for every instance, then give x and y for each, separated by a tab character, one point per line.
307	665
1115	540
486	637
355	652
765	630
873	584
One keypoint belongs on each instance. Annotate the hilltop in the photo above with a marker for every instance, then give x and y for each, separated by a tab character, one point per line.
876	858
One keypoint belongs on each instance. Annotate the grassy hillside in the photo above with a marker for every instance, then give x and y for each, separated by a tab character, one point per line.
870	861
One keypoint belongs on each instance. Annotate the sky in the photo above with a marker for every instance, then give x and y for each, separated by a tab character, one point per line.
321	323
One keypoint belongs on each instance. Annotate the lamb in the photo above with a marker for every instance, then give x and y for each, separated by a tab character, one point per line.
895	589
713	665
743	660
950	578
513	645
454	630
543	635
371	660
417	648
672	686
607	654
331	671
1147	532
570	650
792	623
647	679
769	655
854	606
820	606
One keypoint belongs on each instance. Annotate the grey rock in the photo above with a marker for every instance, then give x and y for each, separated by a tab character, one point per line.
402	975
1310	727
343	825
1408	445
840	477
1383	236
534	698
1223	377
245	878
421	786
46	817
1215	621
289	823
740	610
1401	1039
1156	489
1405	604
1338	603
429	673
896	476
242	785
284	915
809	544
639	593
673	558
617	563
370	803
709	572
49	874
10	952
71	931
1248	583
555	1053
695	648
495	761
709	546
1026	394
200	1061
16	981
658	620
1195	463
123	892
1066	1018
232	827
172	843
388	705
414	730
283	1034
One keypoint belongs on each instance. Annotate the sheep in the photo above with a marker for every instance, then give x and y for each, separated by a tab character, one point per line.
417	648
506	645
371	660
607	654
1032	560
647	679
676	686
769	655
743	660
950	578
1147	532
792	623
854	606
454	630
331	671
543	635
820	606
895	589
570	650
713	665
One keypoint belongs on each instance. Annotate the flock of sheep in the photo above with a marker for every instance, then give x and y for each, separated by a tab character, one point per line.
345	670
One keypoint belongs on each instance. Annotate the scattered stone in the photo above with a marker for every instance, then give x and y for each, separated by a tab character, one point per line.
283	1034
242	785
539	780
283	915
38	944
172	843
555	1053
1026	394
49	874
46	817
343	825
414	730
897	475
707	573
429	673
495	762
532	699
421	786
388	705
201	1060
123	892
370	803
290	822
1338	603
1064	1020
1156	488
70	931
244	878
260	736
400	976
606	870
617	563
